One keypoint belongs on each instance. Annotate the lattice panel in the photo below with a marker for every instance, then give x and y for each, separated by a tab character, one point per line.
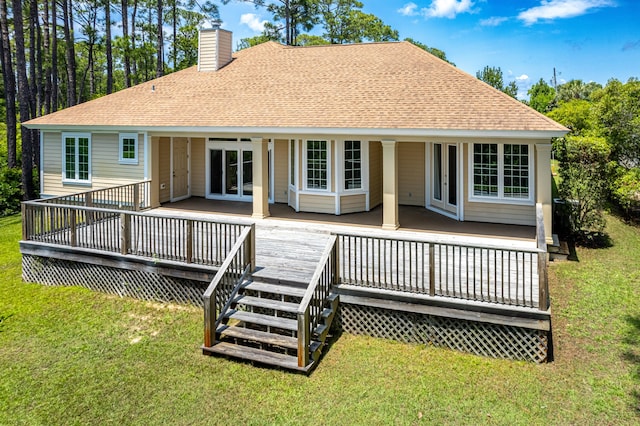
123	282
490	340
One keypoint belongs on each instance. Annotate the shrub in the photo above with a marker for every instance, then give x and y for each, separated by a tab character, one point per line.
583	170
10	190
625	188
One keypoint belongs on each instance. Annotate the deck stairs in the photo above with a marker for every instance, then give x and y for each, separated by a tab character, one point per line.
261	326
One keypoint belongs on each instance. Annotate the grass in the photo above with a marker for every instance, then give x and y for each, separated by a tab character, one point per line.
72	356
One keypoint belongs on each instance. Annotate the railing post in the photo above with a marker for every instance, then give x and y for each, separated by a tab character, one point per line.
25	222
73	238
543	281
432	270
210	320
303	338
336	261
189	253
88	202
125	233
251	247
136	197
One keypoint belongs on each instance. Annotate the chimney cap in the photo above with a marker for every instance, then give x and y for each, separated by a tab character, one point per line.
210	24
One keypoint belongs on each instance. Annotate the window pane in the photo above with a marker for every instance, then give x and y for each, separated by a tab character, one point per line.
83	158
247	172
231	171
352	165
317	164
485	170
70	158
128	149
516	171
292	165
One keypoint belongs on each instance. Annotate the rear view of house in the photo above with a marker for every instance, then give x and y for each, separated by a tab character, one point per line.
334	129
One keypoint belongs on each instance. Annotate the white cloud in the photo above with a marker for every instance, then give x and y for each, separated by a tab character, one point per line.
447	8
409	9
522	77
253	21
556	9
494	21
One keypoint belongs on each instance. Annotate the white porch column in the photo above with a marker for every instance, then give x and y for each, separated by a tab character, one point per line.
390	185
260	149
153	155
543	186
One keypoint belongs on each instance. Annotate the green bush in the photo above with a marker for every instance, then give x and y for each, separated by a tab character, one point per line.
583	170
10	190
625	188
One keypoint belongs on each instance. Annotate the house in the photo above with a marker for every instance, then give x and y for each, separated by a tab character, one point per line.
332	129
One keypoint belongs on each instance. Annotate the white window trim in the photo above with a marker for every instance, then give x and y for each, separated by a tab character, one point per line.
501	199
364	167
304	168
76	136
292	184
121	138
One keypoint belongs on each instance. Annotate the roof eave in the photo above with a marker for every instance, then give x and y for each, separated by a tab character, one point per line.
344	131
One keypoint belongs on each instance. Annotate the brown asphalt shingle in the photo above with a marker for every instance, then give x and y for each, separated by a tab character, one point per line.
377	85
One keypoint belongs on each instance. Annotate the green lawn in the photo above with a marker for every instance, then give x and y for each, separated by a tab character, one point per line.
71	356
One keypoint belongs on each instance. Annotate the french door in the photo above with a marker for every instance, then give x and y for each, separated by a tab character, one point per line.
444	177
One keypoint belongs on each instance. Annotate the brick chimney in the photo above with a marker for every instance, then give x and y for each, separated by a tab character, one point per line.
214	47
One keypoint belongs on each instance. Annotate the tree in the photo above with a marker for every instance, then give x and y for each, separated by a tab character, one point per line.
541	96
107	45
160	46
493	77
23	100
8	77
575	114
576	89
617	108
434	51
344	22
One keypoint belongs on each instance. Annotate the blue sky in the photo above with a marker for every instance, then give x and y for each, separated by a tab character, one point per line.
591	40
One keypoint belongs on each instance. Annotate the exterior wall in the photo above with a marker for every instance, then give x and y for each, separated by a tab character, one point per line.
165	169
353	203
411	170
281	170
375	174
225	47
198	179
512	214
105	169
318	203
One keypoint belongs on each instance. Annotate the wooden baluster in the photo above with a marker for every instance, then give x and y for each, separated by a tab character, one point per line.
432	270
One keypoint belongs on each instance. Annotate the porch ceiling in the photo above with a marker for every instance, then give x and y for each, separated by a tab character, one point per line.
412	220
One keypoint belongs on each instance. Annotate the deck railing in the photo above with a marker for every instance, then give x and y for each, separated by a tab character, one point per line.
199	241
543	260
225	285
129	197
312	304
501	275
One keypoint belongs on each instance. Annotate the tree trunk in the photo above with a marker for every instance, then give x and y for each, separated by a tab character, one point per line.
175	34
24	96
54	56
33	88
125	36
160	47
107	17
70	54
9	86
134	63
47	60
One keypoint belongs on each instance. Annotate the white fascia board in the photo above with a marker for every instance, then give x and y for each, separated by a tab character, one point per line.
307	131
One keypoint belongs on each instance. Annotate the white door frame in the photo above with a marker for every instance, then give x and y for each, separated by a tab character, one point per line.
441	205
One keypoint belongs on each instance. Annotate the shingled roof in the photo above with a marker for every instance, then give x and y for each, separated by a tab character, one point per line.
360	86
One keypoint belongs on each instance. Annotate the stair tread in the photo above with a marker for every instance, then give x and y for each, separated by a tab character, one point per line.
266	320
258	336
258	355
279	289
267	303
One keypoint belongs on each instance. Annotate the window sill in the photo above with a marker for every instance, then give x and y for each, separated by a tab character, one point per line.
502	200
76	182
129	162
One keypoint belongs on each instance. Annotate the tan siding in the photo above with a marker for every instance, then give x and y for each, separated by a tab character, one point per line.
207	51
198	180
281	172
317	203
353	203
225	46
165	169
411	169
375	174
105	169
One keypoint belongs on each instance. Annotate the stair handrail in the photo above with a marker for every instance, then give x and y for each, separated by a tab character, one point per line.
238	264
312	304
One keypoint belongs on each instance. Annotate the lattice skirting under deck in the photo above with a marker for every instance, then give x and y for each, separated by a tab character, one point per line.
490	340
123	282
